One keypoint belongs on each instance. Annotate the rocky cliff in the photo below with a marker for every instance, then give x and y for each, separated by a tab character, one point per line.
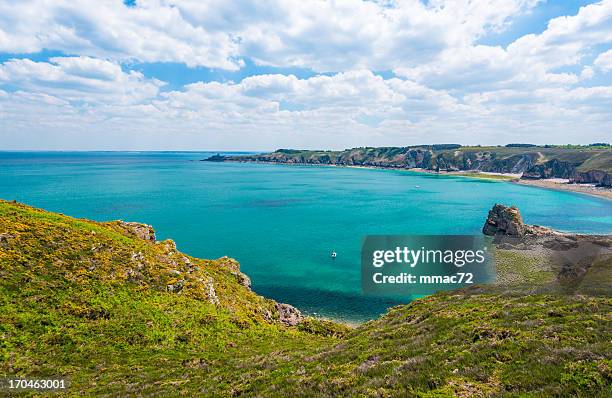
580	165
120	252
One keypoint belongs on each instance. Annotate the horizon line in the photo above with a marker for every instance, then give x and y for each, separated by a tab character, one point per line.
298	149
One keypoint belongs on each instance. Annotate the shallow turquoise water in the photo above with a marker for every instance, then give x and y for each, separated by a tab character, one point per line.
281	222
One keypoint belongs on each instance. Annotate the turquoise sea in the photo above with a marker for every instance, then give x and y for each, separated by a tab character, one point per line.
281	222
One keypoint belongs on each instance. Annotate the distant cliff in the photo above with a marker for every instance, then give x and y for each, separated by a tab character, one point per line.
578	164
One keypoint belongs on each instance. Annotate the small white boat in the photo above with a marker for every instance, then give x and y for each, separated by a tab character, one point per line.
417	186
333	254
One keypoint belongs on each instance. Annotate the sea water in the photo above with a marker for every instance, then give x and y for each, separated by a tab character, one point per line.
281	222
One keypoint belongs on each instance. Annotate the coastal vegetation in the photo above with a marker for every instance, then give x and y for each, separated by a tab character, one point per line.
579	164
487	176
119	313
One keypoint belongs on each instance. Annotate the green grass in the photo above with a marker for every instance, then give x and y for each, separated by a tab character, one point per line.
583	158
67	308
487	176
73	305
515	267
456	344
601	161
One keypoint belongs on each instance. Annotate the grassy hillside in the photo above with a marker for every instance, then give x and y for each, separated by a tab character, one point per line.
122	315
599	161
71	306
470	345
585	158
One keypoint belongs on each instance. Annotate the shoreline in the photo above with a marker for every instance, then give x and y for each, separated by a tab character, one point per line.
552	183
557	185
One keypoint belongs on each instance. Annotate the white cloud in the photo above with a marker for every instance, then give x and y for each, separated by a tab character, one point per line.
530	62
340	35
81	79
263	112
566	38
312	34
447	87
154	31
604	61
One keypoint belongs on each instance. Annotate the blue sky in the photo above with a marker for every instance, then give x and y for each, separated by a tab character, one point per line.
534	21
258	75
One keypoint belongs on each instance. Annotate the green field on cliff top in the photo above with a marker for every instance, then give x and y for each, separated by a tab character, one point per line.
583	158
91	302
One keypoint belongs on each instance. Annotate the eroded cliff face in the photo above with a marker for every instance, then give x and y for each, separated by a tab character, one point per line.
551	169
593	176
531	164
121	253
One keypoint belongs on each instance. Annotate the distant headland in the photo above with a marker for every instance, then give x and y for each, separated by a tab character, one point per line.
586	169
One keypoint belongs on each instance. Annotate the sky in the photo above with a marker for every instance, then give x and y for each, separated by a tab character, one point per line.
258	75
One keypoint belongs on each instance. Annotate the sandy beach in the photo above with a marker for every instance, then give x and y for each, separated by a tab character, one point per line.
559	184
563	185
552	183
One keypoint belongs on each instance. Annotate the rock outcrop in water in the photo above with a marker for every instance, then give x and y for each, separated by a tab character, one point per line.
568	256
580	165
504	220
505	224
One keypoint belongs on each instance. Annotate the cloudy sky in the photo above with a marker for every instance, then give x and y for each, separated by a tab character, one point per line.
265	74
